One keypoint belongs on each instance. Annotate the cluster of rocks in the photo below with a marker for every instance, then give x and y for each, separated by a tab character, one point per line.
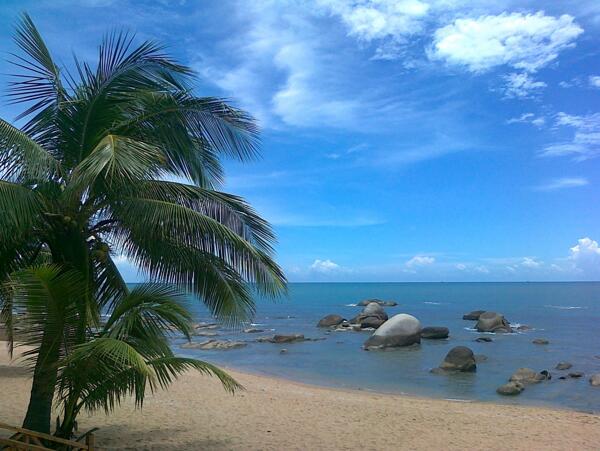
279	339
522	377
214	344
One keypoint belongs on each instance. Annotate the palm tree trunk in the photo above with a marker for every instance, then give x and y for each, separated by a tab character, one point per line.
39	410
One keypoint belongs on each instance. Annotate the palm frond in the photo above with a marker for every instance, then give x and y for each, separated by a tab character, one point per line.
23	158
41	83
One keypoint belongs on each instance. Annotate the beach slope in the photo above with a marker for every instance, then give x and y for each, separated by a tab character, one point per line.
275	414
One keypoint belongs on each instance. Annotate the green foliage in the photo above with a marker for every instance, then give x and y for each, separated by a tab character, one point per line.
85	179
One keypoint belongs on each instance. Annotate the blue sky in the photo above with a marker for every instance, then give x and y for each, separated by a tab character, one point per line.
406	140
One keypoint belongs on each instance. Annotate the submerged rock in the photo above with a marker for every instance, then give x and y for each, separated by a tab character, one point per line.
203	333
563	365
399	330
523	327
493	322
435	333
479	358
540	341
528	376
576	374
215	344
484	339
510	389
205	325
474	315
283	339
595	380
330	321
253	330
459	359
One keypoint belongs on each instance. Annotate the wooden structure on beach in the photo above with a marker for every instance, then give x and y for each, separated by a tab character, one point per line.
26	440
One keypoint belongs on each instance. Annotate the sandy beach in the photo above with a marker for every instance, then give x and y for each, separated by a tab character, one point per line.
275	414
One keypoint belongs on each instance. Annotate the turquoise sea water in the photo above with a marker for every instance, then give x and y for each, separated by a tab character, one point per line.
567	314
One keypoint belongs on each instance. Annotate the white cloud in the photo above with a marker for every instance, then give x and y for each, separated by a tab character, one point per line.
585	143
585	255
325	266
460	266
594	81
562	183
521	85
530	262
523	41
420	260
368	20
528	118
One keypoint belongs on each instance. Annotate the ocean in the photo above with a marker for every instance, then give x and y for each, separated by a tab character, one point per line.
566	314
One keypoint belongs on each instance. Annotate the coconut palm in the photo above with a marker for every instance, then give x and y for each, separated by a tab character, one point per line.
89	176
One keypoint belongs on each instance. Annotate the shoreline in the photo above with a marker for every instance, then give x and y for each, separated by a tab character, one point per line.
275	413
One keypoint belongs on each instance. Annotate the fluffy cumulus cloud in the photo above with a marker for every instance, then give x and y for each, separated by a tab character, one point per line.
420	261
523	41
563	183
377	19
325	266
585	256
585	141
521	85
594	81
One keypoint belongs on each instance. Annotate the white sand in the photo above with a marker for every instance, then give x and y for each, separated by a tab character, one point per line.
274	414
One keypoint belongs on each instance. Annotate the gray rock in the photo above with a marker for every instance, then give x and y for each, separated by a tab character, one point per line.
205	325
215	344
203	333
493	322
563	365
510	389
372	322
283	351
484	339
459	358
253	330
283	339
479	358
595	380
330	321
527	376
399	330
474	315
377	301
540	341
435	333
373	315
576	374
523	327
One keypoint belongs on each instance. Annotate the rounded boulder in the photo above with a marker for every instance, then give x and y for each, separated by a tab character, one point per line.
492	322
399	330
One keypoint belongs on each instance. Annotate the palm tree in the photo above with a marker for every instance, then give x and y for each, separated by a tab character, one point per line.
88	176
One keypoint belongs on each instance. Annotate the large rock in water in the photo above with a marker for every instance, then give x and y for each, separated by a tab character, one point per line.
474	315
399	330
595	380
493	322
435	333
330	321
373	315
459	358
